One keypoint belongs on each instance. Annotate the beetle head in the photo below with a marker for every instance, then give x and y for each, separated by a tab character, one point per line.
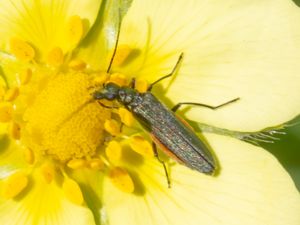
108	92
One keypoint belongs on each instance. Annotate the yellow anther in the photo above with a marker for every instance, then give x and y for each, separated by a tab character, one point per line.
25	76
76	163
75	30
14	130
126	117
77	64
100	78
123	51
113	151
121	179
96	164
72	191
55	57
2	92
48	172
141	146
141	85
15	184
6	111
118	78
11	94
29	155
112	127
21	49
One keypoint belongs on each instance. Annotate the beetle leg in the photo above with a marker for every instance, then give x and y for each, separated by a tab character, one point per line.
132	83
162	162
177	106
108	107
168	75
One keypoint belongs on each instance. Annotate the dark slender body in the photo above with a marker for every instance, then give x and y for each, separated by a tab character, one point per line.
175	136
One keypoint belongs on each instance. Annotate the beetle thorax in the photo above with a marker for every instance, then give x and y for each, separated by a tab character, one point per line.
126	95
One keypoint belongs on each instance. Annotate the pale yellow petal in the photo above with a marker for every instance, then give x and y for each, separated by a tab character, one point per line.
43	203
251	188
11	156
247	49
43	24
92	186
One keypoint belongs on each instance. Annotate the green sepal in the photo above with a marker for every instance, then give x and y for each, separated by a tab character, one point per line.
97	48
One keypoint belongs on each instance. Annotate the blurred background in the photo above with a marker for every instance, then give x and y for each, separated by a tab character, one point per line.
287	149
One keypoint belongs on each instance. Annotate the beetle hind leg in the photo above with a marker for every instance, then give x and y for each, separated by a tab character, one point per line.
163	163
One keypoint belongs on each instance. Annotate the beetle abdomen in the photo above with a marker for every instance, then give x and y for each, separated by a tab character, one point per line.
173	134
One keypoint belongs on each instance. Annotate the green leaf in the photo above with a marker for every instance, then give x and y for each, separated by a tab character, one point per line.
268	135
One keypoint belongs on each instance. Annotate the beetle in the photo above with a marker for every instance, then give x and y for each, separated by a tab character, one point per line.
175	137
170	132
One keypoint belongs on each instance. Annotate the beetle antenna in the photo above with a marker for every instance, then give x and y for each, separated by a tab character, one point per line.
116	44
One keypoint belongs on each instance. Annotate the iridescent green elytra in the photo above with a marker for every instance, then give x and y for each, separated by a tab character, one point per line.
163	124
175	137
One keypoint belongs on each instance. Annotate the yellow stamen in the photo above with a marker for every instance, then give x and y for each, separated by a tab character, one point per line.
2	92
113	151
77	64
118	78
25	76
112	127
55	57
76	163
11	94
126	117
15	184
29	155
6	111
74	30
21	49
100	78
14	130
123	51
72	191
96	164
48	172
141	146
121	179
141	85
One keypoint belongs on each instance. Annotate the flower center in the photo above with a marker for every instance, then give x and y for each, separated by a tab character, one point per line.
61	128
62	122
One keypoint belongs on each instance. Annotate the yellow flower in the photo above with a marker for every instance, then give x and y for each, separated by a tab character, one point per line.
66	159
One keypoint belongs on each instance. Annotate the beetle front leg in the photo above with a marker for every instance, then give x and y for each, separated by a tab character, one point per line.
132	83
168	75
108	107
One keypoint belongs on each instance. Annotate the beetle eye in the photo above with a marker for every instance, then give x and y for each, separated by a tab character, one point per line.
110	96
